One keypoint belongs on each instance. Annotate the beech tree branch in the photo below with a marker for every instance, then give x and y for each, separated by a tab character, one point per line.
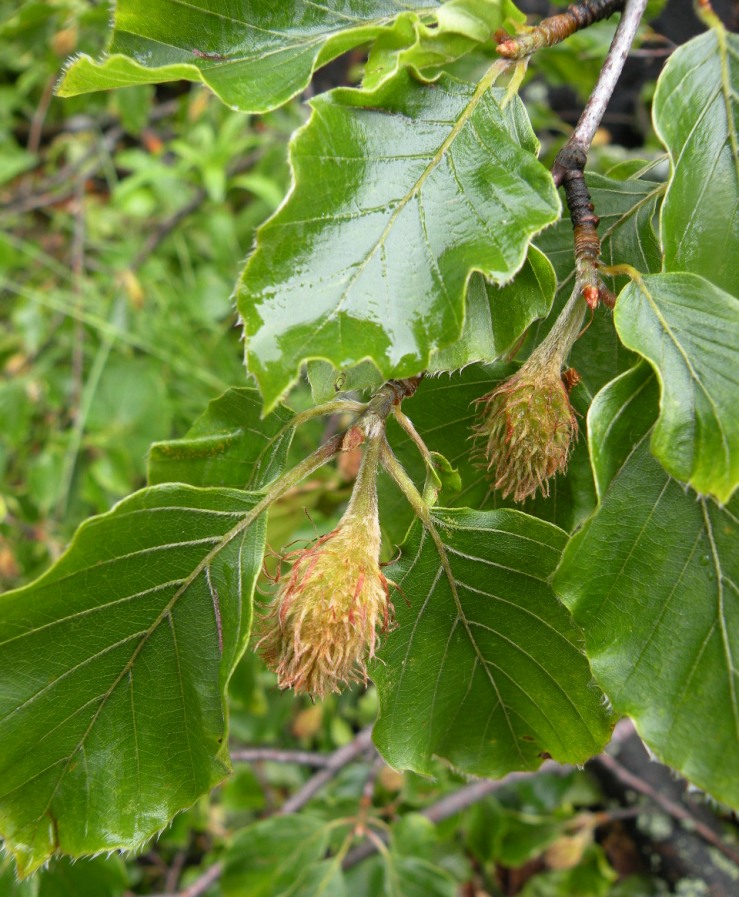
277	755
595	108
569	165
336	762
555	29
674	809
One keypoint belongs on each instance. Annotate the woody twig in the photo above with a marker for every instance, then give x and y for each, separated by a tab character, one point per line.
554	29
569	165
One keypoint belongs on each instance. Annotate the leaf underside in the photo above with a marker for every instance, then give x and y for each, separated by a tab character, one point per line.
652	581
495	683
230	445
114	667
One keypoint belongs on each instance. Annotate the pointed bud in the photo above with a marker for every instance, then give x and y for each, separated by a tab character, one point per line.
526	432
322	625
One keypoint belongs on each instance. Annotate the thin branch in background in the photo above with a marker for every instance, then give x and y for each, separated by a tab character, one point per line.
54	190
39	117
200	885
78	274
333	765
454	803
78	413
337	761
595	108
675	810
277	755
175	870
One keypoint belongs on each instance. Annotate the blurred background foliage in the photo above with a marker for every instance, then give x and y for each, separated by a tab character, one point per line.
124	221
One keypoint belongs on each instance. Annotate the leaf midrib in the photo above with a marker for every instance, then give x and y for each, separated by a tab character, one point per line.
482	87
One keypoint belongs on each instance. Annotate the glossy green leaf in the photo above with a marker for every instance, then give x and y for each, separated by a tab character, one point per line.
496	317
229	445
696	108
688	330
493	682
652	581
255	54
457	28
114	667
399	195
268	858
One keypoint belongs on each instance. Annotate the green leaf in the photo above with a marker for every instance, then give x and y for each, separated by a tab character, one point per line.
399	195
497	316
493	682
96	877
268	858
408	876
695	113
457	28
114	667
688	330
619	416
229	445
651	580
254	54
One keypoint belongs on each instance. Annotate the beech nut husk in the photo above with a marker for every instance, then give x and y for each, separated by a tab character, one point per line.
526	431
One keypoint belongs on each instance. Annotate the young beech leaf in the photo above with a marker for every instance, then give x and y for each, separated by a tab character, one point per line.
493	683
230	444
457	27
696	110
257	54
114	667
688	330
399	195
652	581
